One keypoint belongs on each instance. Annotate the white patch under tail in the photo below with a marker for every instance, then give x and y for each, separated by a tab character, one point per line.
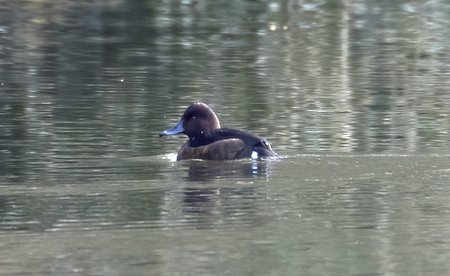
254	155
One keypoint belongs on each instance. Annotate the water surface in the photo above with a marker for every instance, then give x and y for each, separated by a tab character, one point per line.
353	94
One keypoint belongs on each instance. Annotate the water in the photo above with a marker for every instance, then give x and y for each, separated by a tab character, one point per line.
353	94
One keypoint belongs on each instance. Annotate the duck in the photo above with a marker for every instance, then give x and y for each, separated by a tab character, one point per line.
208	141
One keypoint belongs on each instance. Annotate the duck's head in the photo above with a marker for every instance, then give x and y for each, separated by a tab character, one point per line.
197	120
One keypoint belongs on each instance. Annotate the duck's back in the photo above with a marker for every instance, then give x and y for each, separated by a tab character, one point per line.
226	144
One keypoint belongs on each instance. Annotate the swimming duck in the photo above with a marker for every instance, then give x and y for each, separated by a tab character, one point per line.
207	140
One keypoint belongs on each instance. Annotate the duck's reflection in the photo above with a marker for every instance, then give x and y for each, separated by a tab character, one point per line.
224	191
209	170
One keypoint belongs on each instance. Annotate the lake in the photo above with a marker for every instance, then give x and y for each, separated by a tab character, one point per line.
353	95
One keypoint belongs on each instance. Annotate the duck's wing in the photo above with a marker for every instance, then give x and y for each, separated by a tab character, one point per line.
227	140
220	134
225	149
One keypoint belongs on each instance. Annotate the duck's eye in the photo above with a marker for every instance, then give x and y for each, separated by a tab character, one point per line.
193	117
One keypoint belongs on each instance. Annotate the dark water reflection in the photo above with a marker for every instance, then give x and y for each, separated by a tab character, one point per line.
207	171
88	187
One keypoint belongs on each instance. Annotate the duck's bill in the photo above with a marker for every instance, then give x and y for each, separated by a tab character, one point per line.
176	129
